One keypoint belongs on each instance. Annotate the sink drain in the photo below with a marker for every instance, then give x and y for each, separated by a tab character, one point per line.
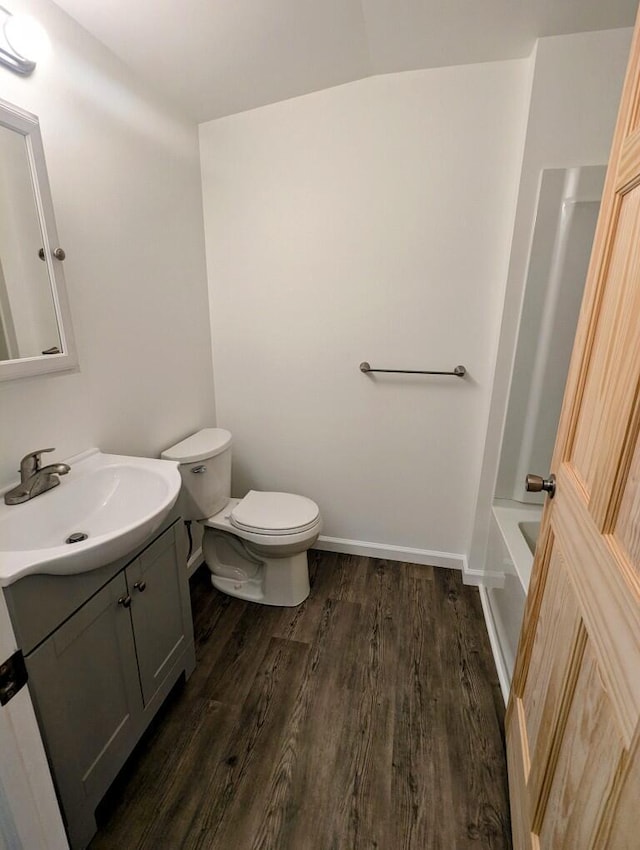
76	537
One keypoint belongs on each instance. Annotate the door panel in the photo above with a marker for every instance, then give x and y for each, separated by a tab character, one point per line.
557	629
627	527
609	606
571	744
589	756
622	831
559	642
518	766
573	720
613	369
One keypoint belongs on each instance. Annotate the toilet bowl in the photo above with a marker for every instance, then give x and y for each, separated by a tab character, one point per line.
255	547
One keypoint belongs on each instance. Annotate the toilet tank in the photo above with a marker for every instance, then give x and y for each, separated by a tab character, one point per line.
205	466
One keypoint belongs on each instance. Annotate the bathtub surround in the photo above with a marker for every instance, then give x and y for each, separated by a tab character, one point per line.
565	220
124	172
510	554
566	216
576	89
371	221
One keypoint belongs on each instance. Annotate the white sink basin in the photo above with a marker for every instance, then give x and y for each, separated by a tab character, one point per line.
116	501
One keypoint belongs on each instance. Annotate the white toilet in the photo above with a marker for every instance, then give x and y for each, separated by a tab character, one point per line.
256	547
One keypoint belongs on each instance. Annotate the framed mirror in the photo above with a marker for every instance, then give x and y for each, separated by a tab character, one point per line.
35	323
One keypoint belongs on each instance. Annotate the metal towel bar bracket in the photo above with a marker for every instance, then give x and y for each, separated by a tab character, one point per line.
458	372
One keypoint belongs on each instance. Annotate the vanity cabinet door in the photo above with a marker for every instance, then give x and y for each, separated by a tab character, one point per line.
84	680
160	622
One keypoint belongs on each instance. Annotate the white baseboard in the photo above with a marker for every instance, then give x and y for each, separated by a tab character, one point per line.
494	640
481	578
391	553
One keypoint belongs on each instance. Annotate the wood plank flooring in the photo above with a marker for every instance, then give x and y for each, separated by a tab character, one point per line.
368	717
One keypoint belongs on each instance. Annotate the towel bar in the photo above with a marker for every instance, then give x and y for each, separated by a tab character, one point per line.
459	371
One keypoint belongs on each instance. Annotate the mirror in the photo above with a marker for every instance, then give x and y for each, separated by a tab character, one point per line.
35	325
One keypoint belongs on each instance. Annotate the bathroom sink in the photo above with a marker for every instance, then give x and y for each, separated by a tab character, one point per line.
116	501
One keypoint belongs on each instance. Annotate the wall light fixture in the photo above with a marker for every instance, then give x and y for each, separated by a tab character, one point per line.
22	42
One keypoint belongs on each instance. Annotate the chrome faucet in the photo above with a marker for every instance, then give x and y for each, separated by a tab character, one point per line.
35	479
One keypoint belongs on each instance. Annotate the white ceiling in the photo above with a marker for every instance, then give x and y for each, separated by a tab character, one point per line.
217	57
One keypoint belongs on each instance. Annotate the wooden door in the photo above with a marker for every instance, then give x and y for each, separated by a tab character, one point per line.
573	720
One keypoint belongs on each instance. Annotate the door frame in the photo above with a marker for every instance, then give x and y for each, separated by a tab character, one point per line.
29	812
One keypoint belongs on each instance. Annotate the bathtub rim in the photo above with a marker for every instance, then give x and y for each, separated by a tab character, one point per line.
508	515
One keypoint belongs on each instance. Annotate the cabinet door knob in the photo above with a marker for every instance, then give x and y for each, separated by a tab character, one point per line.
140	585
125	601
59	254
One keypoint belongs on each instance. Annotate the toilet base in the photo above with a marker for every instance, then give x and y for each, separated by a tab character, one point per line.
238	571
250	589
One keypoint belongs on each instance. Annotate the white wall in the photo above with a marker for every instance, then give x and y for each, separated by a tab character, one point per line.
367	222
125	179
574	102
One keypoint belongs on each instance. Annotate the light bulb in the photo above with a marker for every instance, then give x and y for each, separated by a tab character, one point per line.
26	37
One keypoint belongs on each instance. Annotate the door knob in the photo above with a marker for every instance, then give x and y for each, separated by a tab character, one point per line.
536	483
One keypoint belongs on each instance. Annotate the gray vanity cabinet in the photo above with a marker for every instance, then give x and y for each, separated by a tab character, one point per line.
156	613
103	649
84	679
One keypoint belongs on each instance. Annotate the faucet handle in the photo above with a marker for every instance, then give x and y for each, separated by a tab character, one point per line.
30	463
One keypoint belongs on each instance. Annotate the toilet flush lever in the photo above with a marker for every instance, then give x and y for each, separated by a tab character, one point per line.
198	469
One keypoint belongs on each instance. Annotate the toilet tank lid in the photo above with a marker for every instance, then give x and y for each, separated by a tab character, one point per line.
199	446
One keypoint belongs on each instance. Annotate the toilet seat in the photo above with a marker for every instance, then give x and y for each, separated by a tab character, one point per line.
274	514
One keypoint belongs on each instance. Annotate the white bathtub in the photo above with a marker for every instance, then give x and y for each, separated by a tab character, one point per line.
512	537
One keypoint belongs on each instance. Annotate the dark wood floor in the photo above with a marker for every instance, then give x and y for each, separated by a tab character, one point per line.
368	717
